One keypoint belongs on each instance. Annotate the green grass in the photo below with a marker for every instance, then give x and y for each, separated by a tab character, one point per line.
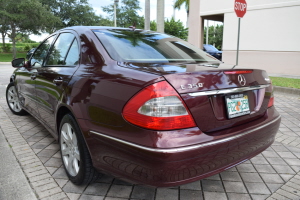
7	57
24	44
286	82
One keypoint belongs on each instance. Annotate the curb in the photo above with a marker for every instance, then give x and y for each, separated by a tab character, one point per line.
43	185
288	91
14	184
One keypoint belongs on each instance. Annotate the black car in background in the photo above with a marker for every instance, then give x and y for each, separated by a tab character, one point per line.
210	49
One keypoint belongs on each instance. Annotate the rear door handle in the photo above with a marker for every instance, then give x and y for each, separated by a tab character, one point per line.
58	81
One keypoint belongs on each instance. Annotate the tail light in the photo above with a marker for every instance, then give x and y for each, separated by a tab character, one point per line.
269	81
271	102
158	107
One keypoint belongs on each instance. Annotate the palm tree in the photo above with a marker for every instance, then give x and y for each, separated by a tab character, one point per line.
160	16
147	15
179	3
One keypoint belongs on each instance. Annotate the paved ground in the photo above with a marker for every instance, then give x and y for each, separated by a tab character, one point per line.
18	186
273	174
5	72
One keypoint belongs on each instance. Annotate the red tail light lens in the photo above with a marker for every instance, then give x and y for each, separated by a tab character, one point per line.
238	72
158	107
271	102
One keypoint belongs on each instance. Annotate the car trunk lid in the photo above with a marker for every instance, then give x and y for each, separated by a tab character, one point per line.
213	95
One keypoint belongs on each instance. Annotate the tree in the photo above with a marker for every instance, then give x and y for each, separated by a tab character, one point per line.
215	35
104	22
72	12
126	13
176	29
153	25
218	36
3	24
3	29
172	27
210	34
25	16
160	16
23	38
179	3
147	15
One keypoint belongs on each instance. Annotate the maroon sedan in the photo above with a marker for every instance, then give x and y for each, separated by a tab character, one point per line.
143	106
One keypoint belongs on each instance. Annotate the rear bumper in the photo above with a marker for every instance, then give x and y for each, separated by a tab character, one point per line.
165	167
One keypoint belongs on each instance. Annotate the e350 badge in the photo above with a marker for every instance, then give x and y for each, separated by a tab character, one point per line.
191	86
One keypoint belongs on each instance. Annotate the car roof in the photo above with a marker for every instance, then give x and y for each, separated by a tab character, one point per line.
84	29
81	28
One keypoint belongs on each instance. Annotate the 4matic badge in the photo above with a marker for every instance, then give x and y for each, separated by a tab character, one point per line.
191	86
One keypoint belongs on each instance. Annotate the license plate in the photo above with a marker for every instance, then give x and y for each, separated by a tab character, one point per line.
237	105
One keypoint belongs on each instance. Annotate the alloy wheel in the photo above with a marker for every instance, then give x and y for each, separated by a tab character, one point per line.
69	149
13	99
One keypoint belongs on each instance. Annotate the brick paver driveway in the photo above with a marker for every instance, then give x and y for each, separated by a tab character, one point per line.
273	174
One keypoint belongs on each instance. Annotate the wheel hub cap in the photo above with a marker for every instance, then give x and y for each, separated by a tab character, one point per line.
69	149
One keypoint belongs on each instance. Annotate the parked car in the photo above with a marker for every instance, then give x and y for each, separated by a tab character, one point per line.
143	106
212	50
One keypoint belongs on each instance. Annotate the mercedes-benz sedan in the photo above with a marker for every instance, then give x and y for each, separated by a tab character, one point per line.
143	106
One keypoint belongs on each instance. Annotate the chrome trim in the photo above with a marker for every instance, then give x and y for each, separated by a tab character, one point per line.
187	148
227	91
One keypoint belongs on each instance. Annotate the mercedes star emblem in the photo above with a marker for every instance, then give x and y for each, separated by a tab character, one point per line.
242	80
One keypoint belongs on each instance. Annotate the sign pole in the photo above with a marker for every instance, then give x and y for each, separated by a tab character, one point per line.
238	43
240	8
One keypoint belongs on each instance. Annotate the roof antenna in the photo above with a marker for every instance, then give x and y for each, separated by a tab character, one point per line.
133	26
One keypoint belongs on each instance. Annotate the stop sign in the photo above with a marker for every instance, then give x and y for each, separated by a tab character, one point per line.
240	8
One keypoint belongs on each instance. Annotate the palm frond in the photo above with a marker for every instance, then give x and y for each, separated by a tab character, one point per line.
179	3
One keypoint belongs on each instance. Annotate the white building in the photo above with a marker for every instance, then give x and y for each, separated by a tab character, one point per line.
6	40
269	33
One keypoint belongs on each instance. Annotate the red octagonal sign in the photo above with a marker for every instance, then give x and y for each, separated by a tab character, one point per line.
240	8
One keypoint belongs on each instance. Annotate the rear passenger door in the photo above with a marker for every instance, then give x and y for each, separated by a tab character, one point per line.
53	77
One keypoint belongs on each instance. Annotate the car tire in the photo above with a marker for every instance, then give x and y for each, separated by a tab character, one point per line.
74	153
13	100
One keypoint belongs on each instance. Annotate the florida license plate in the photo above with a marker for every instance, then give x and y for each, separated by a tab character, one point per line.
237	105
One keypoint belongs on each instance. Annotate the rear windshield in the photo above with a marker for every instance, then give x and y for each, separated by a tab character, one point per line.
146	46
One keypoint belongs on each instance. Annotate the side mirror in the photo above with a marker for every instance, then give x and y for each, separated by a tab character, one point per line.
18	62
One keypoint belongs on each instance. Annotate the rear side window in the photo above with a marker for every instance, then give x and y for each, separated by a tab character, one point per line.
73	54
64	52
40	54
